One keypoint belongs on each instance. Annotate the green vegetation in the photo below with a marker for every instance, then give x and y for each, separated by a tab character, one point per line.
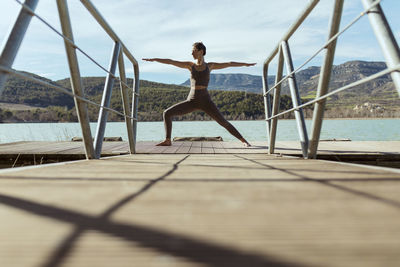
49	105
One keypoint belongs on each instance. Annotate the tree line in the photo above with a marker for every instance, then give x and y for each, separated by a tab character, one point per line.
49	105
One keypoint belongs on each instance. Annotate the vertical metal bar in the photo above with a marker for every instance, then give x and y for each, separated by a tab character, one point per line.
135	101
76	84
324	78
386	40
267	101
125	102
294	92
105	101
11	46
276	102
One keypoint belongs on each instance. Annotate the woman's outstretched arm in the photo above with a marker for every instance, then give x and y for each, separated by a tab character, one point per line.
217	66
180	64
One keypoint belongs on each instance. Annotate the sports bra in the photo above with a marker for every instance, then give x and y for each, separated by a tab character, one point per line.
199	78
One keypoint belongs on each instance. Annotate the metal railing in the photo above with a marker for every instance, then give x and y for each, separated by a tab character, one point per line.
10	50
386	41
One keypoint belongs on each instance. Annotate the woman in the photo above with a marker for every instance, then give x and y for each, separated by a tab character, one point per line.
198	98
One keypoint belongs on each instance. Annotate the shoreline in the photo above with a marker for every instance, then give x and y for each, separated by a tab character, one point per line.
307	119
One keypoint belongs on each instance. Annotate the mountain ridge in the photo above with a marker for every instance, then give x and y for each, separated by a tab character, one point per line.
307	79
243	96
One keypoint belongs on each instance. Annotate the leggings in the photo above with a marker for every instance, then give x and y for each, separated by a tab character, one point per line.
197	100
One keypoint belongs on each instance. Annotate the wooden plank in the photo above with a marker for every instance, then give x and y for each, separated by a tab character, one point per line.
145	146
195	148
235	147
158	149
173	148
286	147
233	210
207	148
218	148
185	148
258	147
115	148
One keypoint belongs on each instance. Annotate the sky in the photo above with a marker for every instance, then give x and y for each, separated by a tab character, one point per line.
232	30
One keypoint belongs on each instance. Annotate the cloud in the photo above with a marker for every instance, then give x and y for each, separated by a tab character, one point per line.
231	29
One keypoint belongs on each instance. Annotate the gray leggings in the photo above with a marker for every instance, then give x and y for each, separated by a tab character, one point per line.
197	100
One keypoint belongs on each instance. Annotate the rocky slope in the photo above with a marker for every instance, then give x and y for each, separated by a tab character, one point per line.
307	80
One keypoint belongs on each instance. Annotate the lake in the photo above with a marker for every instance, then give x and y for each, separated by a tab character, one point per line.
356	130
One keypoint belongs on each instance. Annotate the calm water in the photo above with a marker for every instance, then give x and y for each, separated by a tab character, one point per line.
356	130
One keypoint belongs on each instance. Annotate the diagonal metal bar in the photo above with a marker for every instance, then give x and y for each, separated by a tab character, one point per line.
267	102
76	84
103	114
386	39
103	23
276	102
125	102
326	44
60	89
304	14
29	10
11	46
351	85
294	92
324	78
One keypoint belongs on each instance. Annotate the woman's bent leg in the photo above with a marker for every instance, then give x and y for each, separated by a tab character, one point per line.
177	109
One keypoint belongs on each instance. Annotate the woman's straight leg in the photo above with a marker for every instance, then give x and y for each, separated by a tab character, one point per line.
211	109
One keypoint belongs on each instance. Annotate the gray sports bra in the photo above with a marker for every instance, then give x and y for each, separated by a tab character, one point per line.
199	78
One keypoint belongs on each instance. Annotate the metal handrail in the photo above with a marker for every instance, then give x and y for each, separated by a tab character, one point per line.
27	8
11	48
385	38
343	88
332	39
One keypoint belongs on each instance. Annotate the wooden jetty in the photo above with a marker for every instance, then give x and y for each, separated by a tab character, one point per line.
199	204
382	153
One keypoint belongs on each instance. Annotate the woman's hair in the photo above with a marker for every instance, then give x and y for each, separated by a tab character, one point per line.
200	46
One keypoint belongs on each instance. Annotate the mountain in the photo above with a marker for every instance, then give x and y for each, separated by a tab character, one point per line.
307	81
235	82
44	104
246	102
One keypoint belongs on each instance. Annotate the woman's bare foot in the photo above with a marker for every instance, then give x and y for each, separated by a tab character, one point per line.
245	143
166	142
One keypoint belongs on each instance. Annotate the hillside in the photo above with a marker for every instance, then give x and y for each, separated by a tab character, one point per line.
380	91
237	96
48	104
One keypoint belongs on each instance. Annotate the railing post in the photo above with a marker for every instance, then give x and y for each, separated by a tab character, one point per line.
11	46
105	101
325	76
386	40
76	84
135	101
276	102
294	92
125	102
267	101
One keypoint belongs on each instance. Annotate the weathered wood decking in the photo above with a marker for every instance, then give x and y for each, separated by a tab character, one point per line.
239	209
148	147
